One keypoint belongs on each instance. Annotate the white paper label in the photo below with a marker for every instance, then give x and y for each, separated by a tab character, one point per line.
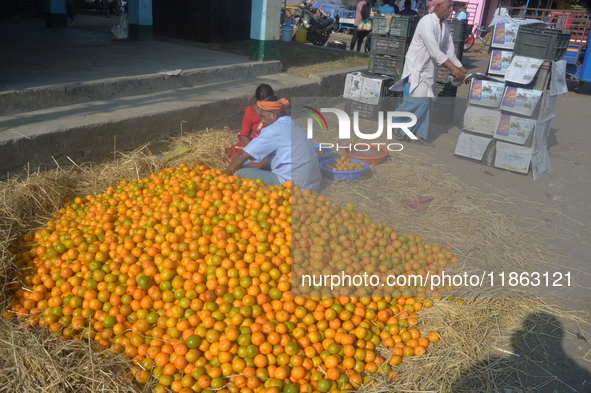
558	84
514	129
499	61
519	100
540	163
486	93
522	70
481	120
472	146
504	35
512	157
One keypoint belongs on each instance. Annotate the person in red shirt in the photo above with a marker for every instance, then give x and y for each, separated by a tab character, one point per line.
251	122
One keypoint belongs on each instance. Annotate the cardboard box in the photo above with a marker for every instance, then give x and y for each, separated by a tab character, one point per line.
521	101
353	86
486	93
514	129
499	61
481	120
472	146
367	90
374	89
504	35
512	157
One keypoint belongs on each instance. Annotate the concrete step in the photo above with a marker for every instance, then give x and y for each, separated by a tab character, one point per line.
59	95
89	131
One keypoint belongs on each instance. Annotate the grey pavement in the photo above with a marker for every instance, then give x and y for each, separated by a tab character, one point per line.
40	56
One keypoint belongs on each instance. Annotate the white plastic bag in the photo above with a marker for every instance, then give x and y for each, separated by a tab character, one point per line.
121	30
558	84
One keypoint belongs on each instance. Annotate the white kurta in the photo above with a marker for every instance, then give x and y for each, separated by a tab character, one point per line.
431	46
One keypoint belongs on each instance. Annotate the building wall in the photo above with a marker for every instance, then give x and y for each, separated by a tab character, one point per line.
203	20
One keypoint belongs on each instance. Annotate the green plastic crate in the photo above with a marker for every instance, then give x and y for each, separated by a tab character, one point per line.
541	43
442	112
402	26
386	65
445	90
391	46
458	30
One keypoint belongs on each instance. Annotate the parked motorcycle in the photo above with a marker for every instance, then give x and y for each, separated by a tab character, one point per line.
318	25
106	6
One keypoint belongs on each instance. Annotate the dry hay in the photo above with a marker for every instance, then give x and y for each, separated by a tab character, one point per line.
479	227
33	360
207	148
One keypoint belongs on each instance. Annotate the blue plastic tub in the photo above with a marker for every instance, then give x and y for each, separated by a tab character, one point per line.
342	175
324	157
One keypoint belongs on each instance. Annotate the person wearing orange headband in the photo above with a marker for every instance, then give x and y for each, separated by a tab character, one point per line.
251	122
283	146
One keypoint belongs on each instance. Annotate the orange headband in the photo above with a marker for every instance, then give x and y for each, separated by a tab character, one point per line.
269	106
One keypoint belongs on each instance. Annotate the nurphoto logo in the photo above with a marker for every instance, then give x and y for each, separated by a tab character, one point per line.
344	126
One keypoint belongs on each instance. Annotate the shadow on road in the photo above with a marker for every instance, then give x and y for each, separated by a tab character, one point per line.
535	362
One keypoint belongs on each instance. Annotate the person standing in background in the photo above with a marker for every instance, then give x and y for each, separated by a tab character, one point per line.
362	13
460	11
421	9
388	8
408	11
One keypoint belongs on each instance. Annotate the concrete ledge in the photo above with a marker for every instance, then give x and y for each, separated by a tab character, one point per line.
21	101
322	77
86	132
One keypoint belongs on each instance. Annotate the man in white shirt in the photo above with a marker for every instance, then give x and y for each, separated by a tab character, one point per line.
282	145
431	46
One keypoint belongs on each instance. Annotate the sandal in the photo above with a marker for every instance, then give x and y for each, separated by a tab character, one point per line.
399	136
410	205
425	200
423	142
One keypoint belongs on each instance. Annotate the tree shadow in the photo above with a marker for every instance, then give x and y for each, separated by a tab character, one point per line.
534	361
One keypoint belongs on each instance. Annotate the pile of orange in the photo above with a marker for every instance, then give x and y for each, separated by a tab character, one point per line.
189	273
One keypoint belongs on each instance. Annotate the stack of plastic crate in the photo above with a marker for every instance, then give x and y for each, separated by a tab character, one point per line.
388	49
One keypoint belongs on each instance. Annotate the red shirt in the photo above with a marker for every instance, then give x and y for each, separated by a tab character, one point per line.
251	124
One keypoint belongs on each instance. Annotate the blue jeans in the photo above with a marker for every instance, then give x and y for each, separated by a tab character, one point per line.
269	178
